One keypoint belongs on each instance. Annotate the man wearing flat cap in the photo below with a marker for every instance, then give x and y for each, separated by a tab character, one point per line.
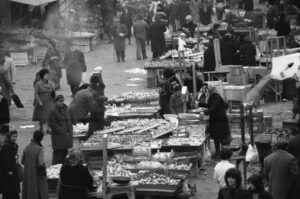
61	130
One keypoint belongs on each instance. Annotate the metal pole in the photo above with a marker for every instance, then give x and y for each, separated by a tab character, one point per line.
104	169
251	125
194	79
242	124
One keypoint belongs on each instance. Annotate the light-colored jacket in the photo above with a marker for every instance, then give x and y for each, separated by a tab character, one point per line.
11	68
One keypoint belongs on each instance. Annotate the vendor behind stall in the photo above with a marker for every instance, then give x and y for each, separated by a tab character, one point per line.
189	27
75	178
248	52
166	89
200	99
176	101
189	82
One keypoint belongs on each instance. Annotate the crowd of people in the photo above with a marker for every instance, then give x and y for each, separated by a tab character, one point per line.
280	172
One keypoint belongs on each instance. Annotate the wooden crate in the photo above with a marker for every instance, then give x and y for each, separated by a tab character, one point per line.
235	92
151	82
242	79
236	70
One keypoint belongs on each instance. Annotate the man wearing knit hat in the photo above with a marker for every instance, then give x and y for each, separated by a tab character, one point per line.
61	130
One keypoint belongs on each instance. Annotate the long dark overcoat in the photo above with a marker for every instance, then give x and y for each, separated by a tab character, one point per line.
247	54
10	184
281	169
61	128
74	63
294	149
119	41
218	122
34	185
157	37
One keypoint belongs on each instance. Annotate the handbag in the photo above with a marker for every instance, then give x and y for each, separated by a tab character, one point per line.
17	100
20	171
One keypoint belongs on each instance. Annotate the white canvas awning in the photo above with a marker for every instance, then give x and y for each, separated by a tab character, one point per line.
285	67
33	2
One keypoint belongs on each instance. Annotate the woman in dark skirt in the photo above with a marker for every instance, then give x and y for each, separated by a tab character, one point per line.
9	175
4	116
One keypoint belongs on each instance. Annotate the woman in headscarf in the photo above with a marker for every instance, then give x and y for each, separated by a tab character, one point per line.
218	127
35	179
75	178
248	52
9	175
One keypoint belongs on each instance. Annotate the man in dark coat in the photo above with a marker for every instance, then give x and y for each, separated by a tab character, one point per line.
218	123
248	52
294	149
281	169
227	51
157	38
209	58
52	61
183	11
173	10
126	19
74	63
140	29
4	116
282	27
119	32
61	130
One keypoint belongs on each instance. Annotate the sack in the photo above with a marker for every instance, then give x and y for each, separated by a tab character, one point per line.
17	101
258	54
207	154
20	171
252	154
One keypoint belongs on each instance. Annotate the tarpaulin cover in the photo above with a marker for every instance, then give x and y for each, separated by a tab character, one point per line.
33	2
285	67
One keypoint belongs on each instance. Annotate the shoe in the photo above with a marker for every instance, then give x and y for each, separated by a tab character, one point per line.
145	57
138	58
123	60
118	60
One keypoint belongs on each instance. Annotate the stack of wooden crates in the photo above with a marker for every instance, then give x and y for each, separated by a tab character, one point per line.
237	75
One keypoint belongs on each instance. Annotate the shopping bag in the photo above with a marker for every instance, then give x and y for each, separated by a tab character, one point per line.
17	100
252	153
20	171
207	154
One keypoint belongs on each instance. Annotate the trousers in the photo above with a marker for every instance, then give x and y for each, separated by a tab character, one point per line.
140	46
120	55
